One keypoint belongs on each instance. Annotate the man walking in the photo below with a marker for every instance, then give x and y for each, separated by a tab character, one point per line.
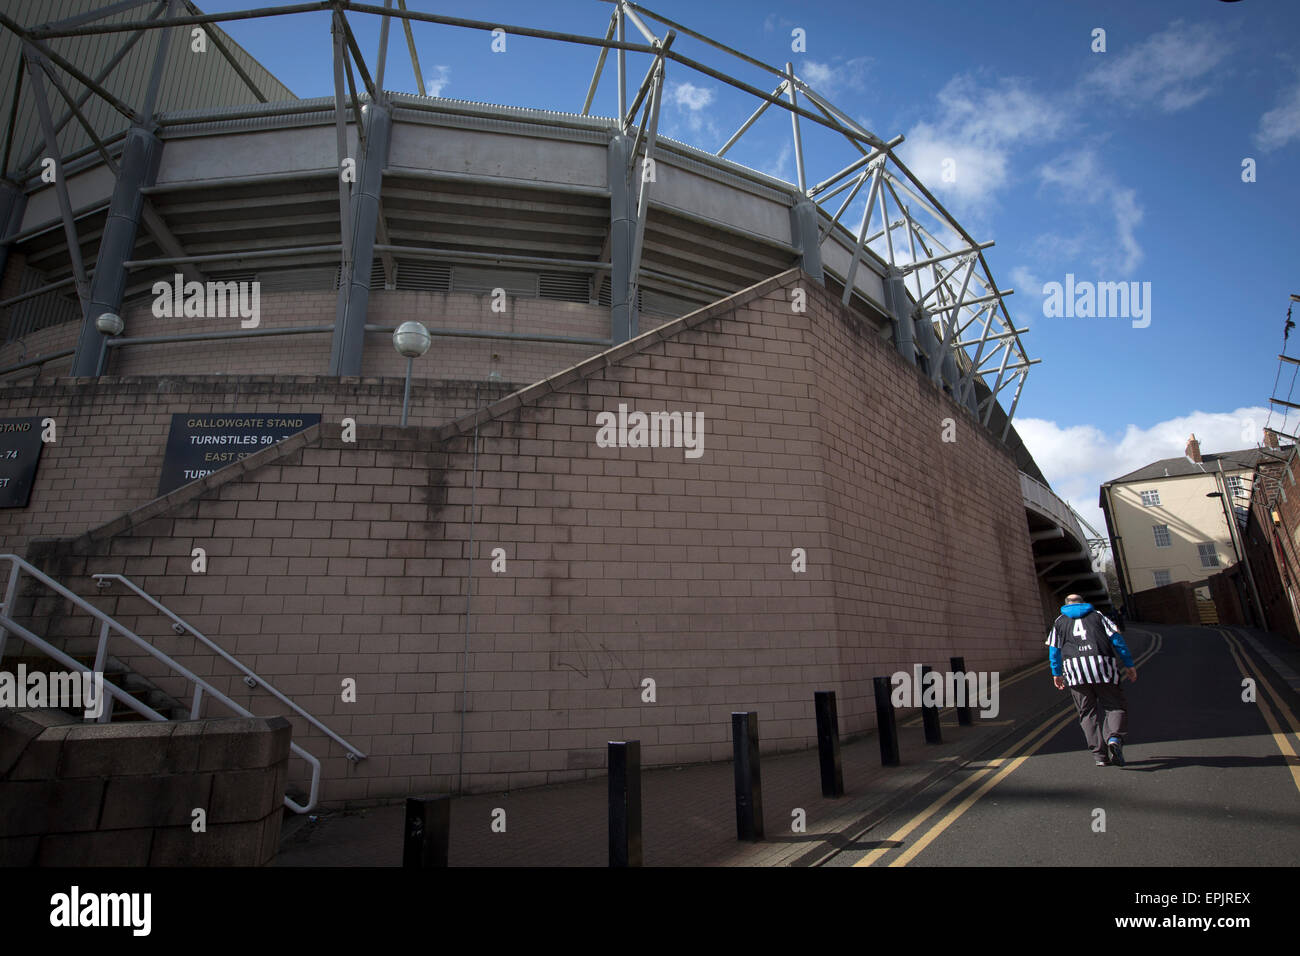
1083	647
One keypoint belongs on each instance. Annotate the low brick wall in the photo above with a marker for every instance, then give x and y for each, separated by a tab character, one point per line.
74	794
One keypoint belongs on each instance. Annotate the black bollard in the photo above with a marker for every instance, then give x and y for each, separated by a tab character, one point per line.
930	715
749	792
886	724
958	665
828	743
625	803
428	832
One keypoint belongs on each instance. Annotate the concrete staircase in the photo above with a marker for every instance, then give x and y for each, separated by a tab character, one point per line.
115	672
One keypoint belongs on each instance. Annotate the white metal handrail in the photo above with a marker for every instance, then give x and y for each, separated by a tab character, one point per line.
107	625
178	622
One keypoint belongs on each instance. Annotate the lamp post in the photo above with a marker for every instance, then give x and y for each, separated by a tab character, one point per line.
411	339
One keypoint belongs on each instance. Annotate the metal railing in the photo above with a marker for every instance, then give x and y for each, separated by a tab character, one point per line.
181	626
110	626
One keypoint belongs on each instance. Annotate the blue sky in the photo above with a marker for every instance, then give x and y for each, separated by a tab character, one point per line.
1115	166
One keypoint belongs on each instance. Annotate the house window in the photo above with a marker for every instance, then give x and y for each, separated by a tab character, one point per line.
1235	487
1162	535
1150	499
1209	555
1161	578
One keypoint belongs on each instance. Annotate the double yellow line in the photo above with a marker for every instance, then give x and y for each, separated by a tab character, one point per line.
1280	738
1020	752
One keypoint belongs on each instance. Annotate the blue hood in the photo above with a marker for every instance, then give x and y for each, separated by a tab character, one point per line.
1076	610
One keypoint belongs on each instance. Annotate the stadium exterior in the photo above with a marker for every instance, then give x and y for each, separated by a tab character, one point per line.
478	599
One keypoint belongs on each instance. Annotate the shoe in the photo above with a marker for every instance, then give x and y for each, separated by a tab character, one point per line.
1115	747
1102	762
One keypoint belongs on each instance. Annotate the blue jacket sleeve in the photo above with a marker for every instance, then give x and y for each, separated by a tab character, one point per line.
1054	660
1117	642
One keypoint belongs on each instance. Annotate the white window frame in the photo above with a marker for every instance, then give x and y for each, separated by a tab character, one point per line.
1169	541
1213	553
1155	576
1153	495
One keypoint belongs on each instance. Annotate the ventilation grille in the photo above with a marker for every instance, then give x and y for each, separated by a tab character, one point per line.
376	276
565	286
660	303
604	299
292	280
52	308
483	281
233	277
421	275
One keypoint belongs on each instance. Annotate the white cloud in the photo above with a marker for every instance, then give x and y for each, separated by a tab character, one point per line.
838	75
978	128
689	96
1076	459
1174	69
1280	125
1079	177
435	82
689	104
1124	206
1026	305
780	166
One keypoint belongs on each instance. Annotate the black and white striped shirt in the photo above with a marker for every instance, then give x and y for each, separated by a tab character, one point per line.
1087	656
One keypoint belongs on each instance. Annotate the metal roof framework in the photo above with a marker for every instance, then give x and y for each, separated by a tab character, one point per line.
965	338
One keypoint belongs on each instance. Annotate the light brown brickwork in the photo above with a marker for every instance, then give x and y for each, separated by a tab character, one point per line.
329	560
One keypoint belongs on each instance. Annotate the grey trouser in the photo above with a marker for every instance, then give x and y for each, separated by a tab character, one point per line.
1088	699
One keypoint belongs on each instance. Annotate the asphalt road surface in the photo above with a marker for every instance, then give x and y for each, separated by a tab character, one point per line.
1210	779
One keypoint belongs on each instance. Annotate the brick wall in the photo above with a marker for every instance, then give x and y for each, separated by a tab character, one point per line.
112	432
1271	547
331	560
1172	604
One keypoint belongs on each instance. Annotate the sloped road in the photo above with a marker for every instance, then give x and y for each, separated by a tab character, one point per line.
1210	779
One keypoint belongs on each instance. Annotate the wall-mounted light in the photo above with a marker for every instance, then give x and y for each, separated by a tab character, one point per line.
412	340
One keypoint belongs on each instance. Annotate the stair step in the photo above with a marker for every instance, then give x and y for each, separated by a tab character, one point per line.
116	673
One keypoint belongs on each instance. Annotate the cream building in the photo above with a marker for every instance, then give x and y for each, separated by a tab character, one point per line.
1167	521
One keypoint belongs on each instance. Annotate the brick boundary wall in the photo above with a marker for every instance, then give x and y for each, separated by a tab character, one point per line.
329	559
1171	604
1224	592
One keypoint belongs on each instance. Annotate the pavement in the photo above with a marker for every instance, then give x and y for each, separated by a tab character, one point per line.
689	811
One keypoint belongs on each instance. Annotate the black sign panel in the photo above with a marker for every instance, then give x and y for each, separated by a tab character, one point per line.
198	445
20	450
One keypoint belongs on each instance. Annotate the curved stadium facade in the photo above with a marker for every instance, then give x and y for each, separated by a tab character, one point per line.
475	600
